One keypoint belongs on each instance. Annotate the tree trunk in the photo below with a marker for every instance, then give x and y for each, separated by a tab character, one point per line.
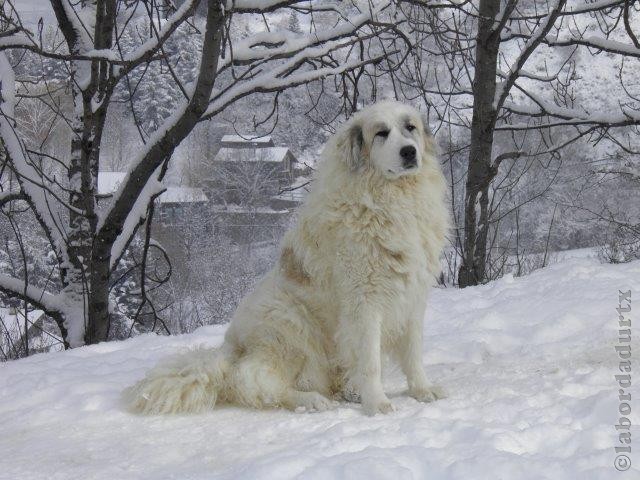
98	318
91	90
479	172
104	239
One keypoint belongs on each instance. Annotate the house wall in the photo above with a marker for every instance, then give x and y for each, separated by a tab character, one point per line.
246	183
169	213
250	227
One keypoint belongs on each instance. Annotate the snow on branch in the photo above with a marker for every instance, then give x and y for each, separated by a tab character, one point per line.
267	6
37	296
152	189
75	23
152	45
284	44
566	116
577	8
629	171
41	199
282	76
591	41
276	68
10	196
598	43
503	89
256	6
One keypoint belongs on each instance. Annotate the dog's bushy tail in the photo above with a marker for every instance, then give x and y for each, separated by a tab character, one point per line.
190	382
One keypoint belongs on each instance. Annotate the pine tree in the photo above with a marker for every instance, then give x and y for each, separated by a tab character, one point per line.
294	23
155	90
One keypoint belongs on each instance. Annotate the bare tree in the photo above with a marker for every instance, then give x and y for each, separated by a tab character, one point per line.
89	242
248	183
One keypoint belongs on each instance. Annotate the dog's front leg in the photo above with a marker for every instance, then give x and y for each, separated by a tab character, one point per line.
360	341
411	361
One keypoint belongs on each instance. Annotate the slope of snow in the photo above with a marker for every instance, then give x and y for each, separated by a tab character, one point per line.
528	365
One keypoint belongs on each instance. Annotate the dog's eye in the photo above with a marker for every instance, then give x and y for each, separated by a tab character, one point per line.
411	128
383	133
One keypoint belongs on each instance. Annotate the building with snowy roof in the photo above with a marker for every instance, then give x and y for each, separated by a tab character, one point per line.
176	205
251	187
250	172
254	154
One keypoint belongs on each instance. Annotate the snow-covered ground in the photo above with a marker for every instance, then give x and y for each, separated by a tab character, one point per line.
528	365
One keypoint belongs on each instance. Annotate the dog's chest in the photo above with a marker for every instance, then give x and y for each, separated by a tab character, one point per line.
401	243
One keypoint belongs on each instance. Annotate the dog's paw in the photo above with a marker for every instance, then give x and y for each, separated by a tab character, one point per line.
377	405
313	402
426	394
350	394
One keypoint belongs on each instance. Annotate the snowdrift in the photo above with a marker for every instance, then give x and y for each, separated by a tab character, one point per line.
528	365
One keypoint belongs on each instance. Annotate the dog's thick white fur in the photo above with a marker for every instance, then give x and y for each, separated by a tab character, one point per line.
350	285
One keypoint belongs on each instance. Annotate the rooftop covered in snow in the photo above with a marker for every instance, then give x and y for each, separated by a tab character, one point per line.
246	141
183	195
266	154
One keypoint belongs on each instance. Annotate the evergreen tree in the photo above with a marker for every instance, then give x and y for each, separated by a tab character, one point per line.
155	91
294	23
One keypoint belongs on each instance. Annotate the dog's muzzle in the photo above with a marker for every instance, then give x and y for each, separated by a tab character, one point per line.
408	154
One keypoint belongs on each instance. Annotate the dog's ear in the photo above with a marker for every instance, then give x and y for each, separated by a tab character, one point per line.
430	147
349	145
425	126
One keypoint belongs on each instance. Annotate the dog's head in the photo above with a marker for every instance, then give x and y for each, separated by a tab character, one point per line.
388	136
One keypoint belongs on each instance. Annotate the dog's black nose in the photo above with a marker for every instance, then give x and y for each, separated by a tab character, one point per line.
408	154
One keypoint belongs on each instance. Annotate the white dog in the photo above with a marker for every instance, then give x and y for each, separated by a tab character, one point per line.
350	285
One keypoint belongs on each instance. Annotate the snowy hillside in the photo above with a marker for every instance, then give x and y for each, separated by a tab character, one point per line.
528	365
